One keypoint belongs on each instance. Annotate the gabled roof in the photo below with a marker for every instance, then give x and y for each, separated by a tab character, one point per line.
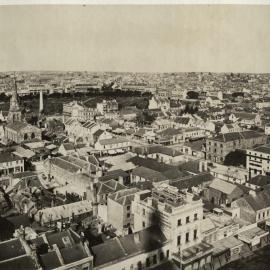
257	202
18	126
223	186
109	186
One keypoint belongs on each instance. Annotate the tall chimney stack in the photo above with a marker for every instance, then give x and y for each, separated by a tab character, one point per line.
40	102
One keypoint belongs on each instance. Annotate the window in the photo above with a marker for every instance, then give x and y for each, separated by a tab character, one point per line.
195	216
187	219
139	265
143	211
179	222
128	215
187	237
178	240
148	262
161	256
168	254
155	259
143	224
128	207
195	234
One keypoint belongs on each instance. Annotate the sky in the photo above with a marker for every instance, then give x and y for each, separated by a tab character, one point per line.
182	38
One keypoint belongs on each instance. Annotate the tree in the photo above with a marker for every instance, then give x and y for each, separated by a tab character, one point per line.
235	158
145	118
192	95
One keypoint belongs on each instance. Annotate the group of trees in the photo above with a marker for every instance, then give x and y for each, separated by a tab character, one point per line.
192	95
236	158
145	118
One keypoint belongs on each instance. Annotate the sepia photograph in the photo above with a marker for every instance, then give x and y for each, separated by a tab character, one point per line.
134	135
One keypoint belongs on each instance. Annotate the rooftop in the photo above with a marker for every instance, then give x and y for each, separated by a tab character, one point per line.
20	263
8	157
232	136
223	186
226	244
260	180
263	149
130	245
11	249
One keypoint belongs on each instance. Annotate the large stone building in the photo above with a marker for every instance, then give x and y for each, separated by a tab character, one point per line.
159	103
107	106
179	216
218	147
79	112
258	160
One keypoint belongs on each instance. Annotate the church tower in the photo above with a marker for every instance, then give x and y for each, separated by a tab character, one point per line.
14	114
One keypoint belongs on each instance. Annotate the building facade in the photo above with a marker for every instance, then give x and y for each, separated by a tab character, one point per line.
218	147
258	160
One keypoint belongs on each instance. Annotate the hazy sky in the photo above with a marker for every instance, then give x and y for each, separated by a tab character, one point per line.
135	38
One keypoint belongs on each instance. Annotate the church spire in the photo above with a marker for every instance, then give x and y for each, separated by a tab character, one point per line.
14	109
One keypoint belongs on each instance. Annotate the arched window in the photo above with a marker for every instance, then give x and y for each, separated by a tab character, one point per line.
25	136
33	135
